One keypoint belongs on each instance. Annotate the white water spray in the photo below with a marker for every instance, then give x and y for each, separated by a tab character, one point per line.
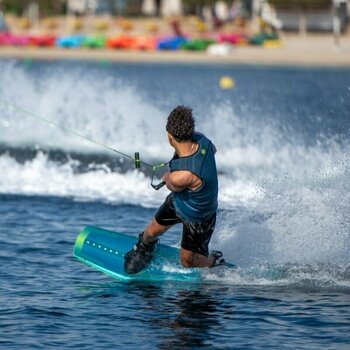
281	202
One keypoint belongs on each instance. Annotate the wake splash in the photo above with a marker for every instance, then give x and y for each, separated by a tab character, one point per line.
109	111
296	232
303	276
43	177
282	232
284	203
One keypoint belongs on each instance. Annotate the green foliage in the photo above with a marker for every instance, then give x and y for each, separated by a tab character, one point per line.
12	6
46	7
301	4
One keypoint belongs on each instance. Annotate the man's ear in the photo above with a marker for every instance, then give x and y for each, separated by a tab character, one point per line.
171	139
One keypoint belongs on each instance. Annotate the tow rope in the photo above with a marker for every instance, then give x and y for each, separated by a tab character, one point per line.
136	158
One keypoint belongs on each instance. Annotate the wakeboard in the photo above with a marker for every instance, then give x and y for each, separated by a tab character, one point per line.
104	250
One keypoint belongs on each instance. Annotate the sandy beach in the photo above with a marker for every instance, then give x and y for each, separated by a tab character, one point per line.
307	49
318	50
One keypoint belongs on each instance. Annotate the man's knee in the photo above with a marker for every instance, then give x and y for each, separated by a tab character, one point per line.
186	263
187	259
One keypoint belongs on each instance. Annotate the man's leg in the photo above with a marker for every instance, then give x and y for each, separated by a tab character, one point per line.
195	244
153	230
191	259
142	253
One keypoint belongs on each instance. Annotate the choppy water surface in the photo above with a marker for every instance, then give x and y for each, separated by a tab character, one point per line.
283	156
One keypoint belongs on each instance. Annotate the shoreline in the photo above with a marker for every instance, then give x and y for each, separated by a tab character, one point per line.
296	51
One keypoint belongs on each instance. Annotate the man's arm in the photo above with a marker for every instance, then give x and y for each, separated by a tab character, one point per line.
177	181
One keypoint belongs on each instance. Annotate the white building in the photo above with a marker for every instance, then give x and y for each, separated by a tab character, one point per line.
328	19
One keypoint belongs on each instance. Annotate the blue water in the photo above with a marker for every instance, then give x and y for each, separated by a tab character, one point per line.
283	157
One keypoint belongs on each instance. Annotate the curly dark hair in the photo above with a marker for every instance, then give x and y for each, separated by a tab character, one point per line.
181	123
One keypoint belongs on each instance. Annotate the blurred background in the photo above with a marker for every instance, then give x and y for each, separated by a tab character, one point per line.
179	24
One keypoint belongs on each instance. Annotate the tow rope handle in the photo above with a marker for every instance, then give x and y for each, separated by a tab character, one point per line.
138	165
159	186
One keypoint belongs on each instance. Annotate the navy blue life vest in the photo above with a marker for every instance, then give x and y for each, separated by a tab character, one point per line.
202	203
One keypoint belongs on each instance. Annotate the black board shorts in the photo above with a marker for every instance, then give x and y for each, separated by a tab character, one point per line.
195	235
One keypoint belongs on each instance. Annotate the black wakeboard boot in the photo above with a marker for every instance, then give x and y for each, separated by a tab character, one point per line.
140	256
219	258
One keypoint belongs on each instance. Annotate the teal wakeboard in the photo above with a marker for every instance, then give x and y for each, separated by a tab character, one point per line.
104	250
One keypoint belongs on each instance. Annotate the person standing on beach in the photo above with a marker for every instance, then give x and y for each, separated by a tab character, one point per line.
193	200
